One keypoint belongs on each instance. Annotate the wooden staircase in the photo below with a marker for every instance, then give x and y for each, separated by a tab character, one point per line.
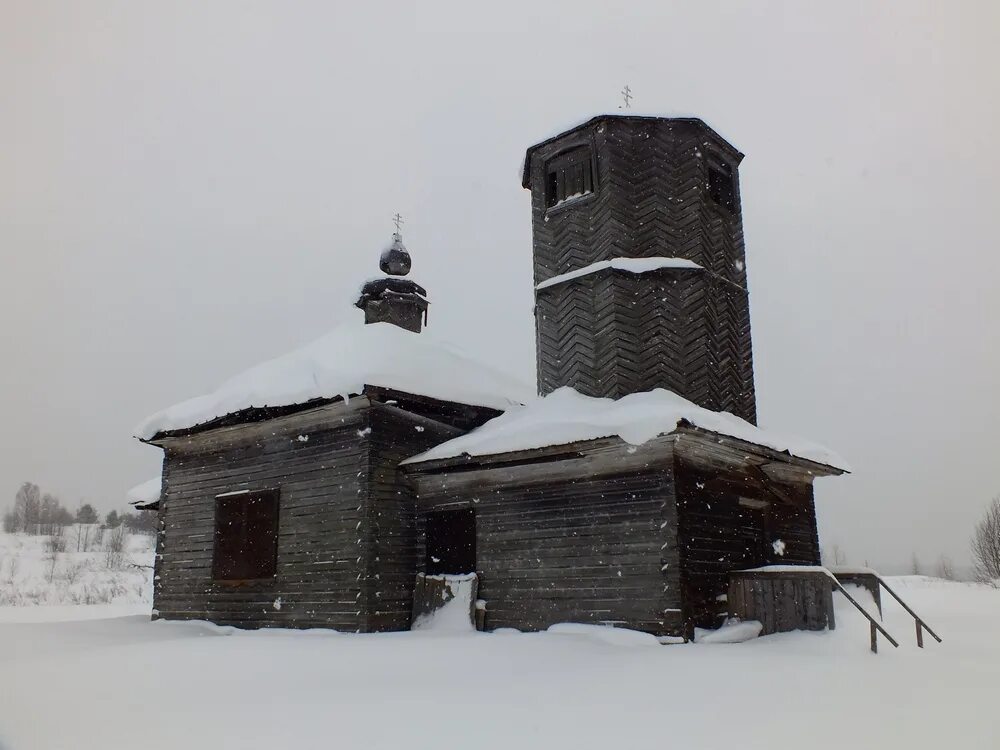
786	597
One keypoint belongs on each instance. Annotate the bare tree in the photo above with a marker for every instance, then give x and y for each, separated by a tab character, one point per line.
140	522
946	569
63	518
839	557
47	514
986	544
53	546
915	566
73	572
86	519
12	566
114	547
28	506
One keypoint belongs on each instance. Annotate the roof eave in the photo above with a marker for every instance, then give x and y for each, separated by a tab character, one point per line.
526	167
814	468
254	415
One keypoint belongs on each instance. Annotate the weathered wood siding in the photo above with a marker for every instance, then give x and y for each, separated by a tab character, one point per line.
596	550
392	546
719	535
346	532
618	333
317	461
688	331
783	601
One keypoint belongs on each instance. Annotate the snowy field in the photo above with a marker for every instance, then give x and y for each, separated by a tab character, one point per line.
126	682
75	568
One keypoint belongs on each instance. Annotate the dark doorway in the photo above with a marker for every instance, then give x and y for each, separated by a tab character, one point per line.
451	542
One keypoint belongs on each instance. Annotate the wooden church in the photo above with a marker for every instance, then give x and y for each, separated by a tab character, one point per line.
326	487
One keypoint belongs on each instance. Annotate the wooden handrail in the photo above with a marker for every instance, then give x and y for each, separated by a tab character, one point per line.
875	627
919	622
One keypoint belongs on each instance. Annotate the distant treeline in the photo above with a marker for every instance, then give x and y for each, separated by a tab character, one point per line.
41	513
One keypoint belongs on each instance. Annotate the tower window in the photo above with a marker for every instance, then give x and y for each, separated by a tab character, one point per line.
246	536
568	176
721	187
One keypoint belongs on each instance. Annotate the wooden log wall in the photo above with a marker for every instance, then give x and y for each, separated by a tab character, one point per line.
316	460
719	534
651	199
613	333
346	546
594	550
396	434
783	601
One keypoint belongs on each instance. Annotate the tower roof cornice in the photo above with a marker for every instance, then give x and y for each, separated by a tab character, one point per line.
526	169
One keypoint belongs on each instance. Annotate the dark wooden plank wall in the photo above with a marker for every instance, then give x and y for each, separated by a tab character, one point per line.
651	200
718	535
323	524
598	550
783	601
617	333
392	561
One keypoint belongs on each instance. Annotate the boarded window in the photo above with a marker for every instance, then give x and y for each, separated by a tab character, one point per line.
721	186
246	536
451	542
569	175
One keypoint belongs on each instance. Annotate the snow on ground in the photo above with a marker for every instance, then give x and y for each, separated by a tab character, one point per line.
127	682
30	575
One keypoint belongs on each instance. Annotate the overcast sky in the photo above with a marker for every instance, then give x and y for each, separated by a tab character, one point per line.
188	188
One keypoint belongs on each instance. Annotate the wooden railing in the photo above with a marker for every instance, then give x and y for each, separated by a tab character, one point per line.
921	625
873	624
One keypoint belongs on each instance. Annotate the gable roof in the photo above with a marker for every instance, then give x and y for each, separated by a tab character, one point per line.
342	364
565	416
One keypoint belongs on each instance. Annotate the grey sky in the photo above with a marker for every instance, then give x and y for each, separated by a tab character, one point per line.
188	188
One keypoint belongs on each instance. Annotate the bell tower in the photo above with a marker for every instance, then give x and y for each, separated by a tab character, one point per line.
639	265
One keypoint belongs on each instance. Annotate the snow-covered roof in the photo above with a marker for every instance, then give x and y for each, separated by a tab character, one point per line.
632	265
145	494
565	416
342	363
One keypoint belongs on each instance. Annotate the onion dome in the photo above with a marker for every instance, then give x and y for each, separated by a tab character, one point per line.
390	299
395	259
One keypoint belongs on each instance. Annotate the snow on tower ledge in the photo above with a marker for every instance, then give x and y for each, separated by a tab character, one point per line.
342	363
565	416
632	265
